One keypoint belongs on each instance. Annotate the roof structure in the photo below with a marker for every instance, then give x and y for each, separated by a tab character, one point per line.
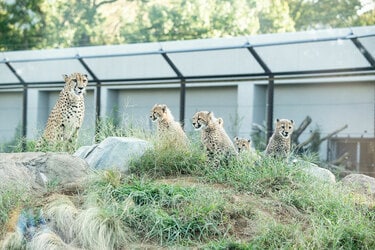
346	53
338	51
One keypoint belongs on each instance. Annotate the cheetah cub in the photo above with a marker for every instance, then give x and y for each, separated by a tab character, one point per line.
280	142
213	135
168	129
67	115
242	144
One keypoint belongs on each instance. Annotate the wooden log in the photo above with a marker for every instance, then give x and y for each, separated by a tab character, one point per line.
297	132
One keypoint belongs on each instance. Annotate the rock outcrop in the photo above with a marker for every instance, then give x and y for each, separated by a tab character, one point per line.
113	153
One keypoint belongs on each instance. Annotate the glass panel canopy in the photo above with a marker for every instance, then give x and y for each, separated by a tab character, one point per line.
130	67
290	53
216	62
6	76
338	54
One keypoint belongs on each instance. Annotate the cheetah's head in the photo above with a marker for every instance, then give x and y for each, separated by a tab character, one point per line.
242	144
76	83
202	119
158	112
284	127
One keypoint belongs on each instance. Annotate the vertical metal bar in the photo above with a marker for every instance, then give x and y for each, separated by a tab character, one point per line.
97	93
358	161
182	87
24	105
182	102
269	105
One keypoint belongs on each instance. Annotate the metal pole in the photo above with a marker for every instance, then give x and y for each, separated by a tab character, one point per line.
269	105
182	102
24	105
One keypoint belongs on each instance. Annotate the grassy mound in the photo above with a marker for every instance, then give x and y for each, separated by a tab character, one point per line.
172	198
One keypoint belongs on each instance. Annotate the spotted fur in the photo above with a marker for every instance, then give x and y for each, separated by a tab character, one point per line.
242	144
213	136
168	129
280	142
67	115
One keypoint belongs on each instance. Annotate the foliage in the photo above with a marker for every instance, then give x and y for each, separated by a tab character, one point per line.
323	13
49	24
166	161
21	24
165	214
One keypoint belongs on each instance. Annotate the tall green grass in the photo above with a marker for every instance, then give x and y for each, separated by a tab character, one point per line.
174	198
315	214
11	199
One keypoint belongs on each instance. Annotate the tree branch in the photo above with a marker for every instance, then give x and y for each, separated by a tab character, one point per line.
333	133
302	144
306	122
97	5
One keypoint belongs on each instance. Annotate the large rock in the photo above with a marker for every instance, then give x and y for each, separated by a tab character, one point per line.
36	171
312	169
113	153
360	183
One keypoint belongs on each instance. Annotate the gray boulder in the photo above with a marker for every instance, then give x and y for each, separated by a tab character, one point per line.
36	171
312	169
113	153
360	183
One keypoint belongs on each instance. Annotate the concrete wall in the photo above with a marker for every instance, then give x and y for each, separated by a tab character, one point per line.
132	106
10	114
330	106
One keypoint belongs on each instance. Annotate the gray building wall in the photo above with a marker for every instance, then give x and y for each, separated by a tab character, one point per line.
240	104
132	106
10	114
331	106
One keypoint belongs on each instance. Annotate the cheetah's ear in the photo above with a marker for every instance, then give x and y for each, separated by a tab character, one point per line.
236	138
277	119
249	140
65	77
292	121
164	108
85	75
209	115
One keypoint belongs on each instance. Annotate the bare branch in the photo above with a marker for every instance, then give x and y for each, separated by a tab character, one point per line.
305	123
333	133
310	139
97	5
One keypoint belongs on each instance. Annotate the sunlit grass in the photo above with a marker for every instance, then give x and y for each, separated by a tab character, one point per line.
172	197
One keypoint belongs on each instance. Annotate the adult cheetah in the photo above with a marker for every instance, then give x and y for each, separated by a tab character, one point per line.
67	115
213	136
280	141
168	130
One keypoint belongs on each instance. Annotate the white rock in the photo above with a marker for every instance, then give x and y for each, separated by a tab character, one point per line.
113	153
